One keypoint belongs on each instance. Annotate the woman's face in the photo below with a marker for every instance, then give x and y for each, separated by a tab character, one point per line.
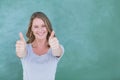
39	29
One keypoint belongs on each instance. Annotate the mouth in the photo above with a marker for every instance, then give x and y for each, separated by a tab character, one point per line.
40	33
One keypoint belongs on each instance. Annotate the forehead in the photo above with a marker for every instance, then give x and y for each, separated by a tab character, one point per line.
38	21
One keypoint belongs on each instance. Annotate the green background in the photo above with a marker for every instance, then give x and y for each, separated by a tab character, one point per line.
88	29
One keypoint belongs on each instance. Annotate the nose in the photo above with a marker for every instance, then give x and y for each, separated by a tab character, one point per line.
40	29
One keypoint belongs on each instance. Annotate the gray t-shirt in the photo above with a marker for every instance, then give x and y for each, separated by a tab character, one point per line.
39	67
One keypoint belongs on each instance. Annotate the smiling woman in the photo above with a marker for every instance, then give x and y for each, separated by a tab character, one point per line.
41	53
39	29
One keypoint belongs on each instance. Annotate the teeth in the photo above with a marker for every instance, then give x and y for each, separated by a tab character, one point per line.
40	34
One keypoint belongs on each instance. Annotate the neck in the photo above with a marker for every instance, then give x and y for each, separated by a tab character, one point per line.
40	43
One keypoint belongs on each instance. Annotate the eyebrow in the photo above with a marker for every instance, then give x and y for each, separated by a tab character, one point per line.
43	25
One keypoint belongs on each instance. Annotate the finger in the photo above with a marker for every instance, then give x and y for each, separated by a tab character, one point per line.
54	40
19	42
19	46
55	46
54	43
52	34
20	49
21	37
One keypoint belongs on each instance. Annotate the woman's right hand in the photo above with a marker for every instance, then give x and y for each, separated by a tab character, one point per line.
21	46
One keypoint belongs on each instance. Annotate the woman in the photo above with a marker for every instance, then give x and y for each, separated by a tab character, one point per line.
41	53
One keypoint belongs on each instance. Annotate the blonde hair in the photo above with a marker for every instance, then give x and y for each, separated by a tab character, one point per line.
45	19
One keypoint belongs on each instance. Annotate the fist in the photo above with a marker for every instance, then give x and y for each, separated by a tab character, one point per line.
53	41
21	46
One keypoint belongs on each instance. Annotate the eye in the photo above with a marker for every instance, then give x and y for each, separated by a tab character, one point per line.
35	26
43	26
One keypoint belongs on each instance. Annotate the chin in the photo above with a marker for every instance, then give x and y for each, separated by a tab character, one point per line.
41	38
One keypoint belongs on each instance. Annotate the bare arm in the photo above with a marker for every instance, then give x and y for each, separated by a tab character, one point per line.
57	52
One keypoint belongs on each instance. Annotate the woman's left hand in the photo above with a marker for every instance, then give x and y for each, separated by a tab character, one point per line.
53	41
55	46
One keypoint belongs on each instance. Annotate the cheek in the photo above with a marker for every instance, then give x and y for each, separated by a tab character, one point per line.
45	30
34	30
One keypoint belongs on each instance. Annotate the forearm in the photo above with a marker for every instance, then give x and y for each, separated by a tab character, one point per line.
21	54
57	52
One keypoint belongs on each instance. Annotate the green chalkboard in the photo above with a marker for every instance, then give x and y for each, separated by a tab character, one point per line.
89	30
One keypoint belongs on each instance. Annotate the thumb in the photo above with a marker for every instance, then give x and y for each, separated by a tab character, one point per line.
52	35
21	37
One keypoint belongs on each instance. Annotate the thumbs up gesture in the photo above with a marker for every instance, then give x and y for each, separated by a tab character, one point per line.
21	46
53	41
54	44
